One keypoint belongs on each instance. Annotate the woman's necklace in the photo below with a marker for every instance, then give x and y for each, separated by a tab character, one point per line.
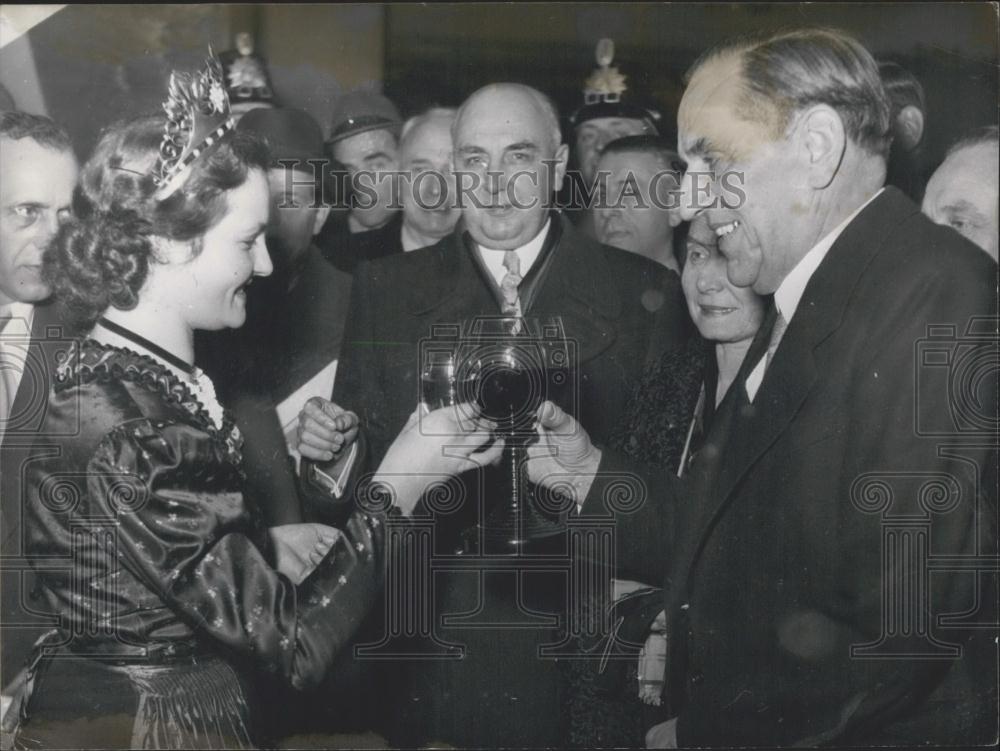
143	342
199	383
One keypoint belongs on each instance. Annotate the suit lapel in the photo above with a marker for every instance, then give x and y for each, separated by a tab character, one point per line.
712	468
443	282
578	286
745	431
534	280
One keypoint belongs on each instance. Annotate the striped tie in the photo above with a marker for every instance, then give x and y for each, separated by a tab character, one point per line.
509	284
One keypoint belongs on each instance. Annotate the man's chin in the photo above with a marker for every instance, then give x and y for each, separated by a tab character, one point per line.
503	234
361	221
437	225
498	240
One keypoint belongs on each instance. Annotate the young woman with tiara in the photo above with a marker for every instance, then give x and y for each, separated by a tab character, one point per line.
169	607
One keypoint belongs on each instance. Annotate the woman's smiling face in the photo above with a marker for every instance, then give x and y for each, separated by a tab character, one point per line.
211	287
722	311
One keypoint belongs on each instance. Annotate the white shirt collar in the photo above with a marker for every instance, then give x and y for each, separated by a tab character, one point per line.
527	254
793	286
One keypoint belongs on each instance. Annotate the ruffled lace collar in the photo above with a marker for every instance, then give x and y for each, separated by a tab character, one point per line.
88	360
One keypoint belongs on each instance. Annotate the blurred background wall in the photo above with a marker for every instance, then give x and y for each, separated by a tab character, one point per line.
97	63
87	65
438	53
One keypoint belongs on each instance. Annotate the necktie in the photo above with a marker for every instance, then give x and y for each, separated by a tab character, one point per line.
509	284
780	324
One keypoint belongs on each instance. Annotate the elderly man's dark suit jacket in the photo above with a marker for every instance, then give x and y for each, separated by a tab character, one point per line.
619	309
784	548
21	615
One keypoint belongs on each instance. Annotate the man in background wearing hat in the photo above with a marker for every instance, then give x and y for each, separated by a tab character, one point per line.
247	81
609	112
364	140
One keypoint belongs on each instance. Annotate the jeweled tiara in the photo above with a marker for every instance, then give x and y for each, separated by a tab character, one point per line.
198	118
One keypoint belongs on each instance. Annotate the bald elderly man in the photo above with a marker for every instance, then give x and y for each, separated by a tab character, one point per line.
617	307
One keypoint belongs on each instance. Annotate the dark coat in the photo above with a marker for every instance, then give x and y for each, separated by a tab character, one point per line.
775	575
618	309
345	249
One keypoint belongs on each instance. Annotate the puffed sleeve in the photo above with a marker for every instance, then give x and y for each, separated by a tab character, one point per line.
185	532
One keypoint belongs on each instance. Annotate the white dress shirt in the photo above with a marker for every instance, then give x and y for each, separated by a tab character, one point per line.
527	254
792	287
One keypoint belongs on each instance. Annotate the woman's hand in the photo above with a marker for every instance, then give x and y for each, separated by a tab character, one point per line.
325	429
299	548
447	441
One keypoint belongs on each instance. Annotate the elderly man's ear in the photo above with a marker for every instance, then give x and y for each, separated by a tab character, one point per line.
821	140
674	217
673	198
909	127
320	219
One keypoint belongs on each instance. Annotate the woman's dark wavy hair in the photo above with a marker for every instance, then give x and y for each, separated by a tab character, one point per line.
101	257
